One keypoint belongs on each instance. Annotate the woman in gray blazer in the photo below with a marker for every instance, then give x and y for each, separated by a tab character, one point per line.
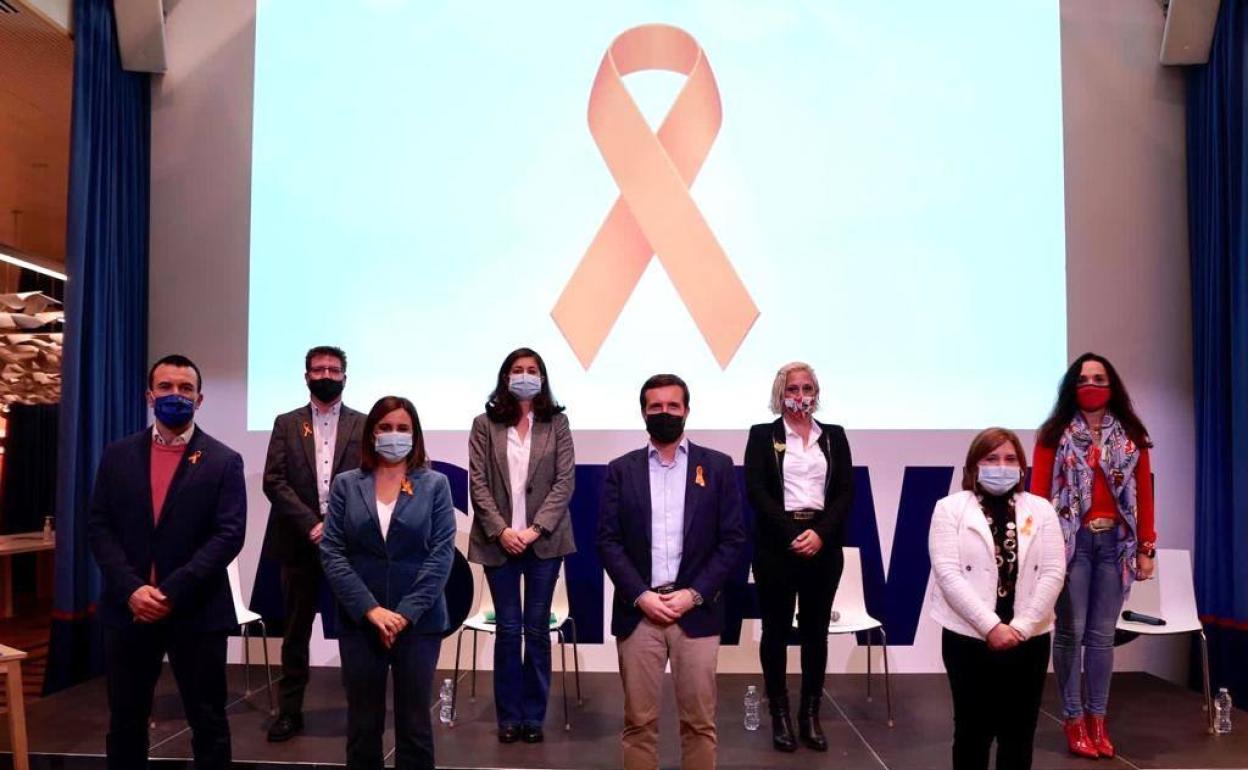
521	470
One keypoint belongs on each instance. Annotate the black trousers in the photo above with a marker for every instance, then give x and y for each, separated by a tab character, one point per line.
996	695
301	582
365	664
132	659
786	581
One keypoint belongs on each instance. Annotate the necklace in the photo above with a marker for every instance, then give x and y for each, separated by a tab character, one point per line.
1005	546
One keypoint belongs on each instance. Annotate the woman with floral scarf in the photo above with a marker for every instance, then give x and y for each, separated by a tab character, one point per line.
1092	463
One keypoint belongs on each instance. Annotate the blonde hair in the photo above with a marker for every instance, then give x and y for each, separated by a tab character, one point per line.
782	378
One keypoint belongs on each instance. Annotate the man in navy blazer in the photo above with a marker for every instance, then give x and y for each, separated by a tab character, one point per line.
670	534
168	515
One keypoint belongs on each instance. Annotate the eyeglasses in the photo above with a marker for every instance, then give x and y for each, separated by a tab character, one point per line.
332	371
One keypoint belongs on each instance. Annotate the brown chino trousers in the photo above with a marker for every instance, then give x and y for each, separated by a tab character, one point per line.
643	656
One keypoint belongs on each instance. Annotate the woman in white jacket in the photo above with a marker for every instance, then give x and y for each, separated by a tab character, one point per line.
998	565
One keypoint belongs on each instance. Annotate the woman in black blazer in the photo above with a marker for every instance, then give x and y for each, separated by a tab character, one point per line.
799	478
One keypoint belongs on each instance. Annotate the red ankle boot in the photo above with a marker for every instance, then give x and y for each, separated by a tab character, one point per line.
1077	739
1098	736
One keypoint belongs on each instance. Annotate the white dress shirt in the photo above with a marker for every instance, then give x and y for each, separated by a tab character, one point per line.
384	513
325	435
182	438
518	473
805	470
667	513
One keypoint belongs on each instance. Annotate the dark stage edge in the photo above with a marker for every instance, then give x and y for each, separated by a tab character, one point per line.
1155	724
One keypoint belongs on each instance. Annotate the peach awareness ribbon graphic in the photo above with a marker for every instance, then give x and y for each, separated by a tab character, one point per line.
654	214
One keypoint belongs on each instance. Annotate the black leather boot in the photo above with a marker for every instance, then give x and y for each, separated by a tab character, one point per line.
808	723
782	738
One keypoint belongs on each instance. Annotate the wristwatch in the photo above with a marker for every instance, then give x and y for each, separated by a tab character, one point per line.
697	597
1147	549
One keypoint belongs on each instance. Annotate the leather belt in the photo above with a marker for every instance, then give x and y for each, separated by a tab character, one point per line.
1102	524
805	514
666	588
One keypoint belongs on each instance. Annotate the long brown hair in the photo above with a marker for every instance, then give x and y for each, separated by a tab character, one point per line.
1066	405
982	446
368	451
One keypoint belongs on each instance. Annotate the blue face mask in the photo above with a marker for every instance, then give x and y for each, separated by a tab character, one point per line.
998	479
393	446
525	386
173	411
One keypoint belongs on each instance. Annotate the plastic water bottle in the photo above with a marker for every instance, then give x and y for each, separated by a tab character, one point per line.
1222	712
447	712
49	534
751	708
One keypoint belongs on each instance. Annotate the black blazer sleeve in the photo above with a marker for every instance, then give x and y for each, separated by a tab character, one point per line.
840	494
765	489
120	578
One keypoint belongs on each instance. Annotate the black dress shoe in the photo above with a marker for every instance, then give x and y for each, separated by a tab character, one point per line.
508	734
285	727
782	738
533	735
808	723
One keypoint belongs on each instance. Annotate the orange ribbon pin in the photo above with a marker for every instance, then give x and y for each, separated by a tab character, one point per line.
307	430
406	487
654	215
698	478
193	459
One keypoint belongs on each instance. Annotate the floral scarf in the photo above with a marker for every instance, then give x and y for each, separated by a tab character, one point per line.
1072	484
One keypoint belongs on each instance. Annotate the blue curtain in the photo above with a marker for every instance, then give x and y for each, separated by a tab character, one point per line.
104	369
1218	241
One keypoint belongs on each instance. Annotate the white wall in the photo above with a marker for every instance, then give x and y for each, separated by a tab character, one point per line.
1126	249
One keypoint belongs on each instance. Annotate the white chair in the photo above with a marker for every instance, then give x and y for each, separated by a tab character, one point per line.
850	616
246	618
1170	596
481	621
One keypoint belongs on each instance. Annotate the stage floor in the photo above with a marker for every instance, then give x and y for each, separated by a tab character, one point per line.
1154	723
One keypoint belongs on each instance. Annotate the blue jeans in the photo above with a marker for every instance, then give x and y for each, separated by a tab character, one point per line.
1087	612
521	685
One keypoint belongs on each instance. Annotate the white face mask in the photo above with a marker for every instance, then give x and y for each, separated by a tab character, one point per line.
998	479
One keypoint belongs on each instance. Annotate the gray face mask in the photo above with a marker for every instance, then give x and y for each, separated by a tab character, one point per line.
524	386
393	446
998	479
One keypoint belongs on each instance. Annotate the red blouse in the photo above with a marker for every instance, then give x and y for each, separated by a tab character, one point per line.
1103	503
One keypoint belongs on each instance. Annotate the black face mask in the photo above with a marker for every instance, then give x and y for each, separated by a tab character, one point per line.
326	390
664	428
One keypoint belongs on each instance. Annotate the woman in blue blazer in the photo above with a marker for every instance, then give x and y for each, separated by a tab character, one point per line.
387	547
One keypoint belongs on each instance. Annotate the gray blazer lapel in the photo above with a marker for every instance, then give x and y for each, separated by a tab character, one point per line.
498	439
539	446
307	437
348	428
